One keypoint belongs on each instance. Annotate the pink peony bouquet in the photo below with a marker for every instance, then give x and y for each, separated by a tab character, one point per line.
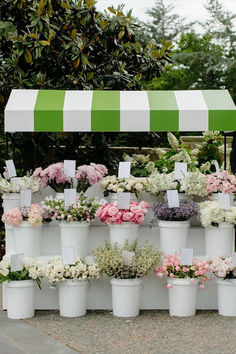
172	268
225	184
110	214
53	176
34	215
87	175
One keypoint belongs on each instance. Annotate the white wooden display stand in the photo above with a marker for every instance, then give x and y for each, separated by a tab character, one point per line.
154	295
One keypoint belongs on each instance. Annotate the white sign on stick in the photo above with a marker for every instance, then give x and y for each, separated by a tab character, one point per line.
124	169
173	198
69	168
186	256
123	200
25	198
11	168
181	169
128	256
217	169
17	262
68	255
70	196
224	201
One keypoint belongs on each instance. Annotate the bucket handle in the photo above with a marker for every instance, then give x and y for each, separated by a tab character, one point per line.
141	287
89	284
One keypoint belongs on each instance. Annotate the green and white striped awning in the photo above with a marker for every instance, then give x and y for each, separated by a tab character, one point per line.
119	111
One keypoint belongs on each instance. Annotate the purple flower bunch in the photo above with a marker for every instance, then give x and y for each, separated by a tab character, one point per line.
186	209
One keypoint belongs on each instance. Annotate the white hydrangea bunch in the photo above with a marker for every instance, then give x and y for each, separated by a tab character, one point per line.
160	182
194	183
160	152
15	186
54	270
136	158
211	214
112	184
222	267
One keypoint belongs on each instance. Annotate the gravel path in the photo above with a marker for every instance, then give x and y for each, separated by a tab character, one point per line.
151	332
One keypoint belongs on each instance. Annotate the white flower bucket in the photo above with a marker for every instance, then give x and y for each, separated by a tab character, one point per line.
126	294
10	201
219	240
114	197
73	298
173	235
120	233
215	197
20	299
226	293
28	239
182	297
75	234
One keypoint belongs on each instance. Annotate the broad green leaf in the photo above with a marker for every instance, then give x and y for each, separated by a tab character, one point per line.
90	76
84	59
28	56
76	63
51	33
112	10
44	43
121	34
102	23
65	5
73	33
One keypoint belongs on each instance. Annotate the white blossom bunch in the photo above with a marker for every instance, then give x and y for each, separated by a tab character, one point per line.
112	184
222	267
136	158
15	186
54	270
194	183
160	182
30	271
172	140
211	214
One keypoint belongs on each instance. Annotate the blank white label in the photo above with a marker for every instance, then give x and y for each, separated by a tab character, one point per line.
180	169
69	168
186	256
124	169
217	169
173	198
123	200
128	256
11	168
224	201
68	255
70	196
25	198
17	262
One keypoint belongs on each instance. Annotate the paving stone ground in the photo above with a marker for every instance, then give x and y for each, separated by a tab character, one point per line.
98	332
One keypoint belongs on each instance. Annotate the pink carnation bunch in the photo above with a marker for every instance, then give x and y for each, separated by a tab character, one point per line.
13	217
53	176
110	214
87	175
172	268
225	184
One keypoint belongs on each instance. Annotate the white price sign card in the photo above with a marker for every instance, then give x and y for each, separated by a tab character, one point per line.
217	169
124	169
70	196
173	198
123	200
186	256
128	256
17	262
69	168
224	201
11	168
181	169
25	198
234	259
68	255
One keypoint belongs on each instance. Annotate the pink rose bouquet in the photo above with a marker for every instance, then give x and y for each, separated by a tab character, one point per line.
34	215
110	214
172	268
53	176
87	175
225	184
